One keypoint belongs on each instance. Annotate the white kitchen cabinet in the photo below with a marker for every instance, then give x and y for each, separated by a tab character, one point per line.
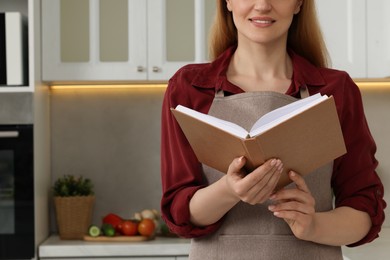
177	34
23	7
343	25
122	40
357	34
378	38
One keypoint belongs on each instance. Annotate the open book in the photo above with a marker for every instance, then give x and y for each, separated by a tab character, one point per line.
305	135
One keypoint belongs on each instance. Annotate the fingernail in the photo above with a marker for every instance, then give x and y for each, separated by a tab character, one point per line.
280	168
273	162
292	174
273	196
271	207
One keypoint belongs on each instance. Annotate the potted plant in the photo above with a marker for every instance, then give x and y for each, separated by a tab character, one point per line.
74	200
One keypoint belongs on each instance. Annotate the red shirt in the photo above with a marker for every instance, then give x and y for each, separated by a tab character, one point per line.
354	181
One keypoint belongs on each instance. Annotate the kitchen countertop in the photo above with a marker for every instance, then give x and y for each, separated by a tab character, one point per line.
54	247
379	249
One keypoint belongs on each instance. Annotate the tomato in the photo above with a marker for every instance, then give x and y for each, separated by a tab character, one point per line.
129	228
146	227
112	219
119	227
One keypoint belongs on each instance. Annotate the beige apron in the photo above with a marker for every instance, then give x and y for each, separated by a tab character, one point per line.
252	232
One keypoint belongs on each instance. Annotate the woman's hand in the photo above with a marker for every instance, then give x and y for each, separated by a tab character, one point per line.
257	186
297	207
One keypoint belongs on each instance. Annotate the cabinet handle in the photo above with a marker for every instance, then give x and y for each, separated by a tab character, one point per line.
140	69
156	69
9	134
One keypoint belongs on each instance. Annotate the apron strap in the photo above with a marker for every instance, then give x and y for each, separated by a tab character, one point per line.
219	93
304	91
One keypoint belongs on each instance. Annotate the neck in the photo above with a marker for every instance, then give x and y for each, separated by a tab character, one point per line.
258	68
262	62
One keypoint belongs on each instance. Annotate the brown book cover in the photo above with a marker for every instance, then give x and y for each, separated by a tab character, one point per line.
304	140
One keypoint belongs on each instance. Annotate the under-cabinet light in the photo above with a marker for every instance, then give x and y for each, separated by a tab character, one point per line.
373	85
130	86
364	85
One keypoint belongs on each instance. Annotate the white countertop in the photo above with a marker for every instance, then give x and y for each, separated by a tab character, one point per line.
53	247
379	249
161	246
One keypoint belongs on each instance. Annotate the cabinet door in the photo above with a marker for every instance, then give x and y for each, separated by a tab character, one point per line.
378	38
24	7
344	27
177	34
94	40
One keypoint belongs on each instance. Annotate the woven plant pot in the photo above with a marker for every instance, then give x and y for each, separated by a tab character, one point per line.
74	215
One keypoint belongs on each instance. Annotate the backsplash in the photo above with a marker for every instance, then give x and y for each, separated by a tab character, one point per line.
112	136
377	107
15	108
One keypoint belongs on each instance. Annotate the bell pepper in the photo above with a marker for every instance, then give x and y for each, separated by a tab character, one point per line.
112	219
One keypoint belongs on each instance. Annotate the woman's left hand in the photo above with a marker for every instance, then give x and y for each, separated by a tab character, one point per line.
296	206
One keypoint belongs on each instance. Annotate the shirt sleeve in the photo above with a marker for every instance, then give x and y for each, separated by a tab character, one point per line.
181	172
355	181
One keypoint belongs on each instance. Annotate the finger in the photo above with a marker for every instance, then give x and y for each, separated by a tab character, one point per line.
263	173
264	193
236	166
257	183
290	216
292	206
299	181
293	195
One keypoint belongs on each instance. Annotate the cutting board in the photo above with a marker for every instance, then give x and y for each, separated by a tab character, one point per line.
118	238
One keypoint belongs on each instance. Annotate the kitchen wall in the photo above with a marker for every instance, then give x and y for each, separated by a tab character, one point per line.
377	108
112	136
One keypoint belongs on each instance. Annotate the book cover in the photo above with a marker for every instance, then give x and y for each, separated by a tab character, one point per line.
306	138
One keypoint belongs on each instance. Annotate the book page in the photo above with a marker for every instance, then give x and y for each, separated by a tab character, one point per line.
281	114
217	122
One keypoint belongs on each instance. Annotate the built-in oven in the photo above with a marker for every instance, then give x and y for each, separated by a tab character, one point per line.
16	192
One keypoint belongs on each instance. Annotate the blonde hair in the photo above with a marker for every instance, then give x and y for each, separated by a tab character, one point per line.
304	35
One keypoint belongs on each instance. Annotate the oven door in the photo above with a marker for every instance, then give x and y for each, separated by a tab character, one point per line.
16	192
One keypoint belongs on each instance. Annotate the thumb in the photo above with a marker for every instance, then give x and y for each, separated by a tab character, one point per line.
237	164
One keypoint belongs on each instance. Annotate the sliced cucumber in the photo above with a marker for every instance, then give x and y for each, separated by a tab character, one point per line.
94	231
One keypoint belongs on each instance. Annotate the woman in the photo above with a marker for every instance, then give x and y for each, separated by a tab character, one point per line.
266	54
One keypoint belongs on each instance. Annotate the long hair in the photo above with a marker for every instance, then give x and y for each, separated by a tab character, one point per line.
304	35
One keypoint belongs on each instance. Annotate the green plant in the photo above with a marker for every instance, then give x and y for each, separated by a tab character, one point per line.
69	185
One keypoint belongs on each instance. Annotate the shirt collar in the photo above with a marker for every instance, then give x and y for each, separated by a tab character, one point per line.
214	74
305	73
